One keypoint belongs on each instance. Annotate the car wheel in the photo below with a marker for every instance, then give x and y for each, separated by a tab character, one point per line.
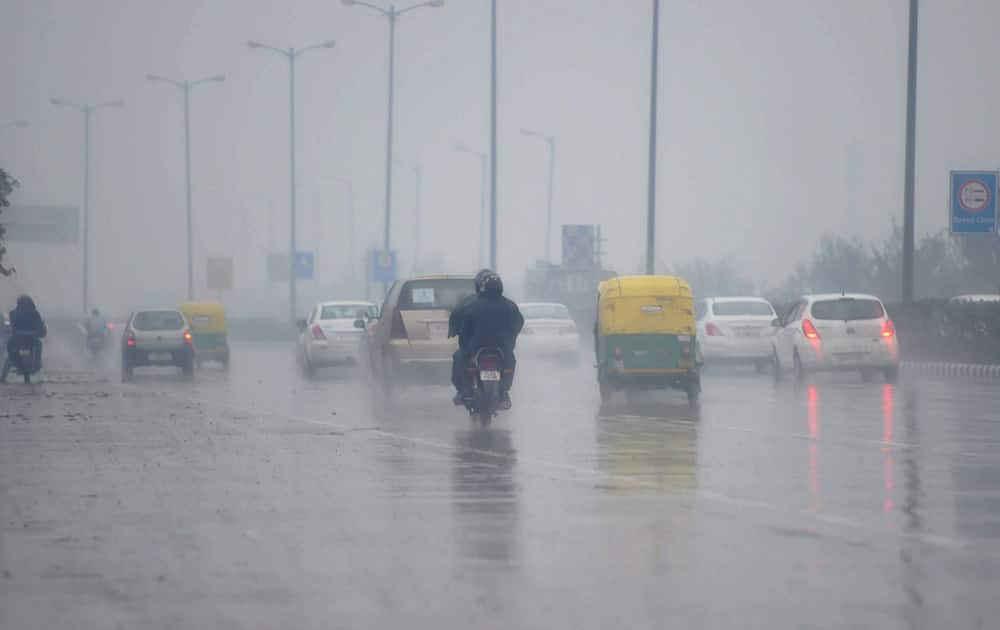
605	388
187	367
127	371
308	369
693	391
800	370
776	365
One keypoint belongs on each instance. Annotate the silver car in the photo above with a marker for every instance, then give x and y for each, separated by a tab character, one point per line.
157	337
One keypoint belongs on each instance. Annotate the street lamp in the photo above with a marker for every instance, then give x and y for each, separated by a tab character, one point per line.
185	87
391	14
651	194
291	54
551	141
484	160
86	110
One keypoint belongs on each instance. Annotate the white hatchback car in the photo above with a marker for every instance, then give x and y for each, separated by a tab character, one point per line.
330	336
549	331
837	332
736	330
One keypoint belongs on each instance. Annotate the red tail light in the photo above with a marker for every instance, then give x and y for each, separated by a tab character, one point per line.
888	328
809	330
398	330
318	333
188	338
111	326
618	353
488	362
712	330
130	340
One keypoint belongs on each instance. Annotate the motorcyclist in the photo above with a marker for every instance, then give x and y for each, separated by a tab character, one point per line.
456	326
493	321
25	319
95	323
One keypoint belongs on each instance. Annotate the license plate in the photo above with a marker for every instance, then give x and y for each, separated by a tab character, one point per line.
849	356
160	356
24	353
489	375
747	332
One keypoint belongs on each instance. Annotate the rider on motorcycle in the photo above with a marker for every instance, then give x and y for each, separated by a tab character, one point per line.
25	320
493	321
456	326
94	324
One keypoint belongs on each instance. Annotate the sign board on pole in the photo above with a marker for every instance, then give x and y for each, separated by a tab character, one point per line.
278	268
304	265
383	266
578	246
972	204
219	272
41	224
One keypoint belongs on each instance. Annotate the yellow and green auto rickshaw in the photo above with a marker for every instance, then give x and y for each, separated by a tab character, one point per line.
645	336
208	328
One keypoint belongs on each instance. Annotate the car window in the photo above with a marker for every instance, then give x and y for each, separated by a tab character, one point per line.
437	294
347	311
847	309
700	310
158	320
742	307
545	311
793	313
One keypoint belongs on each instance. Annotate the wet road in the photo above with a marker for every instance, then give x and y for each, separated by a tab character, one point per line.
257	499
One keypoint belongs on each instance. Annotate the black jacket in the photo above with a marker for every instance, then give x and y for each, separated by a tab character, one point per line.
456	320
492	320
27	320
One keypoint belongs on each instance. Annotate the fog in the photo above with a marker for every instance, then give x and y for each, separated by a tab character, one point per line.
780	120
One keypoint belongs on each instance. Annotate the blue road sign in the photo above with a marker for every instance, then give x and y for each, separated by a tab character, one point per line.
972	205
383	266
304	266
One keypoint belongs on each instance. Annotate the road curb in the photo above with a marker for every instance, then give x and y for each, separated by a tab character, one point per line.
953	369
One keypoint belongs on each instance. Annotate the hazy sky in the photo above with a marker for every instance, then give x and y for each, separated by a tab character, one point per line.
779	120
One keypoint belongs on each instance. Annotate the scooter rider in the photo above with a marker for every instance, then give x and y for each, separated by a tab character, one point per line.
26	320
456	326
494	321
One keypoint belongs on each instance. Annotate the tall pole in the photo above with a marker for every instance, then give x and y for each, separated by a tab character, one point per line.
493	134
418	174
187	189
548	214
651	199
482	207
350	226
292	280
911	125
388	135
86	208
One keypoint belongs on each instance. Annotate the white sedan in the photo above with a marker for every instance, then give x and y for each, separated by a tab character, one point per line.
736	330
330	335
848	331
549	331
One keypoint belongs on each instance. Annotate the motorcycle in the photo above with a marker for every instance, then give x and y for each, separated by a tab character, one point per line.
486	369
96	336
23	356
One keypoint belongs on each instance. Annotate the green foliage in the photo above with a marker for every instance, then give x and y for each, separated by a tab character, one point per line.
7	186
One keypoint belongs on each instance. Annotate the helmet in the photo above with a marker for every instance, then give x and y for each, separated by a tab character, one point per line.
480	277
26	303
492	285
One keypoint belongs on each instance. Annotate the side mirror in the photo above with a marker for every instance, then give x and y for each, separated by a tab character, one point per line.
300	324
359	324
776	322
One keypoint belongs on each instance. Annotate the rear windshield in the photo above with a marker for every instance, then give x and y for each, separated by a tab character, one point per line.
347	311
544	311
742	307
847	309
425	295
158	320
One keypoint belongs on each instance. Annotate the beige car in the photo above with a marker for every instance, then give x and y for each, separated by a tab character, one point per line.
409	342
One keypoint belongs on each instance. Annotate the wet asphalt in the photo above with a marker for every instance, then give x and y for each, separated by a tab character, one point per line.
261	499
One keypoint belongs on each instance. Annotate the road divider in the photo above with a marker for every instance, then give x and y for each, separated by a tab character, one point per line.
967	370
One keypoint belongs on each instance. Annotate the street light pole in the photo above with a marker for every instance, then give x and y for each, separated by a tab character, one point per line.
391	14
493	134
483	164
291	54
651	195
185	88
551	141
86	110
911	133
